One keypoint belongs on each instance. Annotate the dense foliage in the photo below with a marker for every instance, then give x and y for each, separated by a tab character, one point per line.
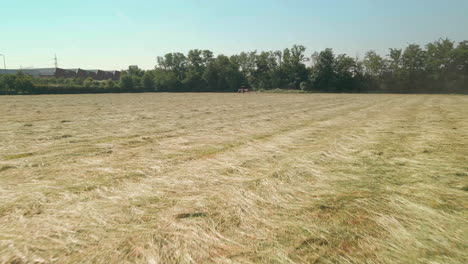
439	67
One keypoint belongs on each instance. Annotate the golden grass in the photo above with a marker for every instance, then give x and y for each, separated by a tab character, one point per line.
234	178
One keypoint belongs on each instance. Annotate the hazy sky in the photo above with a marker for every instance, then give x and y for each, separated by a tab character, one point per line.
112	34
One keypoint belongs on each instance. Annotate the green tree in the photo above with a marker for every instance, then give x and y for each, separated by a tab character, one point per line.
413	59
246	63
110	85
440	69
293	70
176	62
7	84
134	70
147	82
89	83
223	75
126	83
460	66
347	72
265	69
395	59
413	62
23	83
323	75
374	64
166	81
194	76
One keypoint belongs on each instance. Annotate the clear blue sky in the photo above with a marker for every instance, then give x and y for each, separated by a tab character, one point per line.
112	34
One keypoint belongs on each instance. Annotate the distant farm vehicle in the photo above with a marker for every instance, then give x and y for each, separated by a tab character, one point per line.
245	89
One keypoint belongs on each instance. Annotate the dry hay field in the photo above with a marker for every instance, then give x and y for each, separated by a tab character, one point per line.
234	178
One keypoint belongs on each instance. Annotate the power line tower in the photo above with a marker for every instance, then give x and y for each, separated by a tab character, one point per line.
56	61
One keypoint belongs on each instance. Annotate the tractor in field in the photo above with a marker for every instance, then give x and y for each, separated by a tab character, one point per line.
245	89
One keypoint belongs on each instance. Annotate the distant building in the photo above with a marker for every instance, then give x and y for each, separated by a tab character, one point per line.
98	75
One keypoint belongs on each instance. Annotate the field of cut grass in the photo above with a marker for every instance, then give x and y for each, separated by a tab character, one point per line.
234	178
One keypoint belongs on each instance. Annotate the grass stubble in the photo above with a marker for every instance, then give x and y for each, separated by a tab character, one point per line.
231	178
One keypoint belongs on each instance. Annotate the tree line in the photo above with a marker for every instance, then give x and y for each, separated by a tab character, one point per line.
438	67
